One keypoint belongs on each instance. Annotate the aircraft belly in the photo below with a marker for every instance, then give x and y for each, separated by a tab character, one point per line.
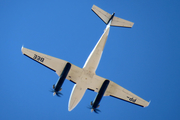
76	95
93	60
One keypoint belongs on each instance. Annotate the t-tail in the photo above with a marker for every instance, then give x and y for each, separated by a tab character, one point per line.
111	18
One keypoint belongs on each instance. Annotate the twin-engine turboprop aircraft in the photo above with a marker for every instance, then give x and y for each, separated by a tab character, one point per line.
86	78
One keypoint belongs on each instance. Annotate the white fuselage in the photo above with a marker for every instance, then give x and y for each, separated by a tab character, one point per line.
89	70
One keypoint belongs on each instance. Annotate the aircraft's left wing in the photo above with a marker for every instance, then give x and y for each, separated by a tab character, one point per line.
117	91
53	63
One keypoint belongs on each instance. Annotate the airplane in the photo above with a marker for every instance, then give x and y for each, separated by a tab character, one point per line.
86	78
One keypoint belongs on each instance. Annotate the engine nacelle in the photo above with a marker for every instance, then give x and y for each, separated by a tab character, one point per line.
95	103
62	78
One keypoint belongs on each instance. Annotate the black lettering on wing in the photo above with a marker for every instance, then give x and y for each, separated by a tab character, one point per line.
42	59
131	99
38	58
35	56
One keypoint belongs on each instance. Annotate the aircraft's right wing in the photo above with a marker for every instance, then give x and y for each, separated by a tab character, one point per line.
117	91
53	63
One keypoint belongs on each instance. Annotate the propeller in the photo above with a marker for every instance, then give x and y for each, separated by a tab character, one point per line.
94	109
59	94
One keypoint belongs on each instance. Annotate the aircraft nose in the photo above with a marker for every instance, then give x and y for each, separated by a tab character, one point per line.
76	95
72	103
70	107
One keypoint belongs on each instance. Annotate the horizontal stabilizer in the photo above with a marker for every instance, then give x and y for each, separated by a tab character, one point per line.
121	22
106	17
101	13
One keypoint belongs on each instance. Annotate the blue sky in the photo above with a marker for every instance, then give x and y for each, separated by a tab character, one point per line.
144	59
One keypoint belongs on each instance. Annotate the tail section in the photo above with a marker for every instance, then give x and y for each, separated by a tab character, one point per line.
106	17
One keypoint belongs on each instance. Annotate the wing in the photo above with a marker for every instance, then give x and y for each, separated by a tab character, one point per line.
53	63
117	91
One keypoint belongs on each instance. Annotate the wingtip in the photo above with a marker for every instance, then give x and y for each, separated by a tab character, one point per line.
148	104
22	49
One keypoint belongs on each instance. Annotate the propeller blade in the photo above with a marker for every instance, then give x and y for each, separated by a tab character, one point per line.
59	94
94	109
